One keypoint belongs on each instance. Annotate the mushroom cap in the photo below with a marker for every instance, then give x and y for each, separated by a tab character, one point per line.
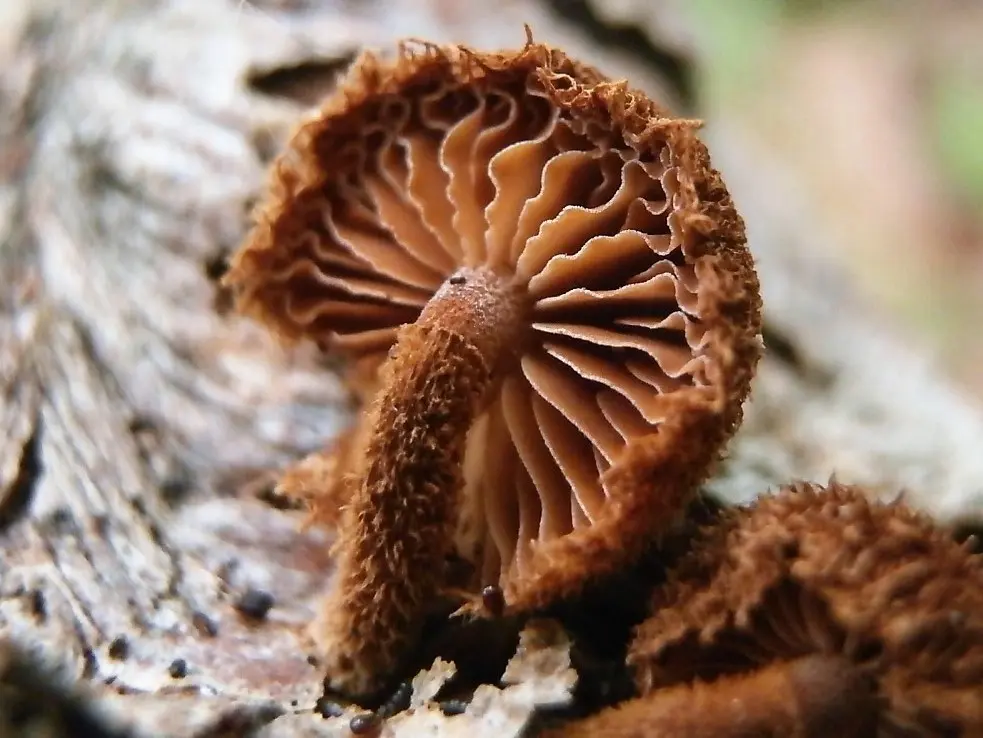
644	309
827	570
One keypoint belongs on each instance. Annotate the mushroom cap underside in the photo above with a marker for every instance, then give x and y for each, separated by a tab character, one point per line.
827	570
598	204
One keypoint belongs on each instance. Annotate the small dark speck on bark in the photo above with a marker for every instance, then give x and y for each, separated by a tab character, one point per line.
205	625
20	493
367	724
90	665
327	707
399	701
254	604
39	606
307	82
60	522
175	488
453	707
119	648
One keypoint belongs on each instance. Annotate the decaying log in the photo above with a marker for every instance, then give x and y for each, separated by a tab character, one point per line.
142	423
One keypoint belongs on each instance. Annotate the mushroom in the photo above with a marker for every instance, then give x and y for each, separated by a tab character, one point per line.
883	606
545	294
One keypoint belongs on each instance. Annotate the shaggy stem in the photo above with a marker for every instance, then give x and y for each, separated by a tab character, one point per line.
398	527
816	695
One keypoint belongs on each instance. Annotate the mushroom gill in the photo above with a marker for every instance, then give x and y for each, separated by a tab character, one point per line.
545	291
816	573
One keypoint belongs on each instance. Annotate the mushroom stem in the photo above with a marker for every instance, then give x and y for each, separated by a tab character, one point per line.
406	494
816	695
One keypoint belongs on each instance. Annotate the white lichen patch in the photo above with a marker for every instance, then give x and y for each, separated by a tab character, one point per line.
539	675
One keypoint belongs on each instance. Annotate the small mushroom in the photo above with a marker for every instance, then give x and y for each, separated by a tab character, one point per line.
868	593
545	290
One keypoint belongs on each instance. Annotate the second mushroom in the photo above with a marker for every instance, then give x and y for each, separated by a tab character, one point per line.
545	294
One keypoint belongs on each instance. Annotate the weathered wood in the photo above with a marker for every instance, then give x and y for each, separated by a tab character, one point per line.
141	421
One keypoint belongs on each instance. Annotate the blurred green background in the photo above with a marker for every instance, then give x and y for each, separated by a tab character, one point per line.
878	106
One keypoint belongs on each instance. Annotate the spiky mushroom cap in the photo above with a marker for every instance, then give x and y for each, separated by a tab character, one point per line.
639	301
815	570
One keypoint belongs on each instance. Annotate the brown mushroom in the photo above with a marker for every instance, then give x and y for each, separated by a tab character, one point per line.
876	592
554	288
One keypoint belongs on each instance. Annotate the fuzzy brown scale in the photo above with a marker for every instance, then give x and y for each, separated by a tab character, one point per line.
550	310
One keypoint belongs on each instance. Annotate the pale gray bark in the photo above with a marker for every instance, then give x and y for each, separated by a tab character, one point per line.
141	421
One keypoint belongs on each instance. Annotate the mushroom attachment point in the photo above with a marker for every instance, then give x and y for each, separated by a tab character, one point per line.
866	616
546	299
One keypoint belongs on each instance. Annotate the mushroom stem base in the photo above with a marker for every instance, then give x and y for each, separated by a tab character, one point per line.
397	529
815	695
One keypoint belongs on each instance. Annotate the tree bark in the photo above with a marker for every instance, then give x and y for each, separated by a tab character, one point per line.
143	423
